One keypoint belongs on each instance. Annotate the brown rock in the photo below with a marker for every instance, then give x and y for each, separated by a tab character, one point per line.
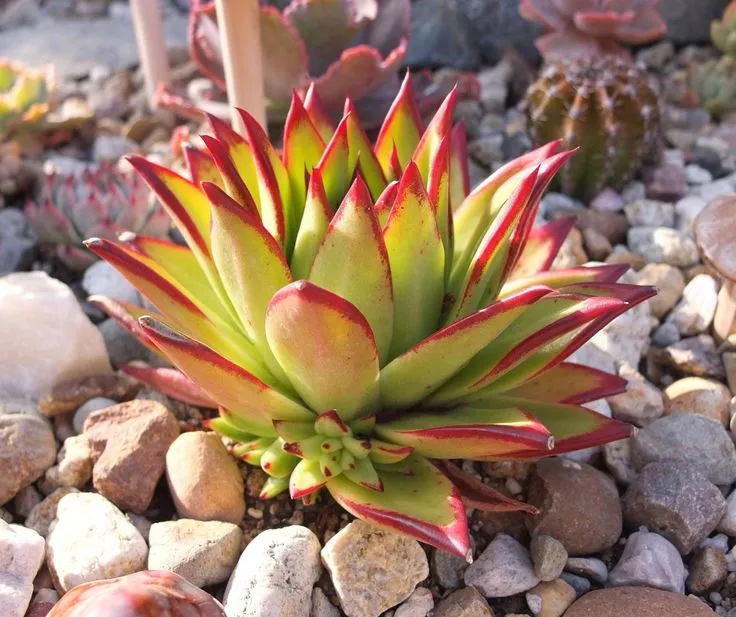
69	395
550	599
708	570
579	506
612	225
464	603
637	602
43	514
705	397
204	480
129	443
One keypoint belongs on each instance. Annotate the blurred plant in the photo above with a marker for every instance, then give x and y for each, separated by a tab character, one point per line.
26	95
143	594
723	32
349	48
607	109
355	313
712	85
103	201
589	28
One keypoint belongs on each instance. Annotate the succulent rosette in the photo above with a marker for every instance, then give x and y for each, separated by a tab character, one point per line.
25	95
361	319
589	28
349	48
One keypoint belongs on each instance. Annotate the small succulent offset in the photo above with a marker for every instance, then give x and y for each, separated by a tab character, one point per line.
607	109
712	84
361	319
590	28
102	201
143	594
348	48
723	32
25	95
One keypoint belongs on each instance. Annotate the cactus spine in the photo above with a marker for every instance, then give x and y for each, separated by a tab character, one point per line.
607	109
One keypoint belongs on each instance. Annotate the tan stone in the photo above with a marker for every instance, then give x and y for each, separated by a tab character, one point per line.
637	602
704	397
204	480
550	599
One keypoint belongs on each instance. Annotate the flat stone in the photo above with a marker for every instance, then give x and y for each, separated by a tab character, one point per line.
550	599
708	570
727	523
503	569
696	395
589	567
44	513
21	555
419	604
690	438
321	606
669	282
204	480
391	566
650	560
275	575
28	449
640	403
463	603
74	464
37	353
663	245
696	355
129	442
676	500
637	602
579	506
549	557
70	395
92	540
203	552
694	313
617	456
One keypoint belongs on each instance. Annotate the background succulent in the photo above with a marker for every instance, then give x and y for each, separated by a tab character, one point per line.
589	28
349	48
101	201
607	109
357	315
25	95
723	31
712	84
143	594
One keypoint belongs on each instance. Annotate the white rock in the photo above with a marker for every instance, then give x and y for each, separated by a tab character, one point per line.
698	175
391	566
74	464
419	604
592	356
669	282
321	606
87	408
663	245
203	552
650	212
45	336
589	567
503	569
102	279
650	560
91	540
728	522
21	555
275	575
687	209
695	312
640	403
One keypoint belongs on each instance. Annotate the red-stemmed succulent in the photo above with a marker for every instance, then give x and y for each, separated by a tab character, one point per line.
361	318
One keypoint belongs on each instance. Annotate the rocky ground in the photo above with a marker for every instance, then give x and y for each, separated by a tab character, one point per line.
103	477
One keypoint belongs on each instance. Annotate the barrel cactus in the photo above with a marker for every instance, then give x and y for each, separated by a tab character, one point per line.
103	201
143	594
607	109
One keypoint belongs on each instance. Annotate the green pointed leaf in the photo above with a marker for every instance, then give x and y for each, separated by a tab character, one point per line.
326	347
352	262
306	478
438	130
273	487
402	130
228	429
424	505
558	279
417	261
293	431
277	463
360	152
330	424
313	227
467	432
385	453
334	166
365	475
430	363
438	187
385	203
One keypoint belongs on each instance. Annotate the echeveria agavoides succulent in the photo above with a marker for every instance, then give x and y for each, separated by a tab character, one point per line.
360	318
25	95
589	28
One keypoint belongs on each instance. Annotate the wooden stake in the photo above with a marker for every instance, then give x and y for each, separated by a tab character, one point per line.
151	38
238	22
